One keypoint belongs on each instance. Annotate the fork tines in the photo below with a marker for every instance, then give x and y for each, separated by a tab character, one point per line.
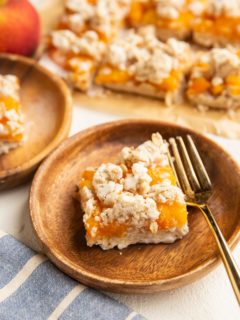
188	167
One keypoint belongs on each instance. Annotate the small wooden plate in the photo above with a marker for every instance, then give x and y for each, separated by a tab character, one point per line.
57	217
47	105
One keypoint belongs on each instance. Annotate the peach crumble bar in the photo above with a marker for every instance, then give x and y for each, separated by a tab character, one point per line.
140	63
218	24
82	36
77	56
172	18
134	201
215	79
11	116
105	17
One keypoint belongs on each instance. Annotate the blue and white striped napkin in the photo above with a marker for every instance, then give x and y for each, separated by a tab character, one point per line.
31	287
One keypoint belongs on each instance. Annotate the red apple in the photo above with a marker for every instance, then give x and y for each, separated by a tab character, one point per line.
19	27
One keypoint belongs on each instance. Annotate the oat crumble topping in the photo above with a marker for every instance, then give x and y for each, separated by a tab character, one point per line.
227	8
88	44
102	17
169	9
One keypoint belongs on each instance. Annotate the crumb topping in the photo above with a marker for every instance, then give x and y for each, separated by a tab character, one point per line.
197	7
227	8
150	152
218	63
101	16
9	87
142	55
169	9
86	44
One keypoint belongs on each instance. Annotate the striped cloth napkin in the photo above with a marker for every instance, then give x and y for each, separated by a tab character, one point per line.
32	288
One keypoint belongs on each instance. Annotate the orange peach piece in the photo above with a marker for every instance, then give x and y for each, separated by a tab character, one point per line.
198	85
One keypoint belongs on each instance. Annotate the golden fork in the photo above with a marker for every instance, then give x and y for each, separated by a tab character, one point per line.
194	181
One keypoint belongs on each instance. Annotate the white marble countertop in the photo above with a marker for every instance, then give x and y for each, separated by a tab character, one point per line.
209	298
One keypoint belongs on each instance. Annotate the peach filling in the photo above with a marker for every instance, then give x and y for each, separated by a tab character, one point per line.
113	229
227	27
116	76
145	13
201	85
170	83
9	104
140	11
172	214
159	174
182	22
63	59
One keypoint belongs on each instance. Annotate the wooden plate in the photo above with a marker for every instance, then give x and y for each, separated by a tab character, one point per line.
57	218
47	107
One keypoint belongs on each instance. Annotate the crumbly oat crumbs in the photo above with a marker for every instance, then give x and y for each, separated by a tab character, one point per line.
227	8
169	9
87	44
102	16
9	86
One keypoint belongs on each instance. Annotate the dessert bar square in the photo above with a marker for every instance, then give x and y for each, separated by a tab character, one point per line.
135	200
11	115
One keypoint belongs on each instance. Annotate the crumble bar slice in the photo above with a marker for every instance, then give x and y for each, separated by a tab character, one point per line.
134	201
82	37
78	56
214	79
172	18
218	24
137	62
11	116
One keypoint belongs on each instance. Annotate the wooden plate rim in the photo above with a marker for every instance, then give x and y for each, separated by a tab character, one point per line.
66	122
66	265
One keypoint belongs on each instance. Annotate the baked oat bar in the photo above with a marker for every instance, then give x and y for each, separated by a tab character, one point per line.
11	115
214	79
172	18
218	24
138	62
134	201
81	38
78	56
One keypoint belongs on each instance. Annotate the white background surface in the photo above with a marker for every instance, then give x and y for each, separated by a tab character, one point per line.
207	299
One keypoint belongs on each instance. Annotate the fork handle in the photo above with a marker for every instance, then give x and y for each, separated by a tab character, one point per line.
228	260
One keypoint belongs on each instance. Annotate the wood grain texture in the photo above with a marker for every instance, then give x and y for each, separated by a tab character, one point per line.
47	105
57	217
